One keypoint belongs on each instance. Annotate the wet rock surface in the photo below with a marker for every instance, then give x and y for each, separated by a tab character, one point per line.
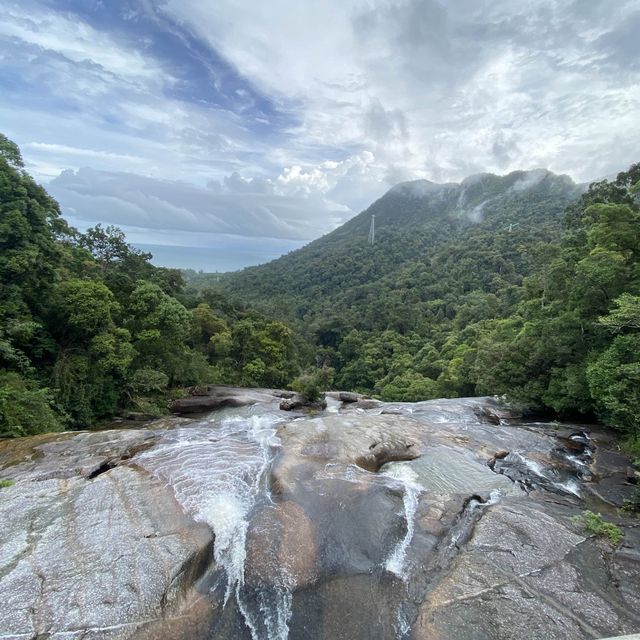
526	562
95	558
434	520
298	402
218	396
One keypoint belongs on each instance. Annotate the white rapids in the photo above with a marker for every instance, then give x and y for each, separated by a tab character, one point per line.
217	473
407	477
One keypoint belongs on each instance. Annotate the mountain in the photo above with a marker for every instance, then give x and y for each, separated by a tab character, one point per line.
415	222
397	317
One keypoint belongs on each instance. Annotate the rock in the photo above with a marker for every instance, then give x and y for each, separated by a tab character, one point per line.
289	404
365	441
106	556
85	454
524	574
498	455
486	414
388	451
310	472
351	525
137	416
298	402
284	394
348	396
219	396
360	606
281	548
633	475
446	471
366	404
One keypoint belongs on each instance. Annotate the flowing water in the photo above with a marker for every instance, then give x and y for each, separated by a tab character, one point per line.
218	469
402	473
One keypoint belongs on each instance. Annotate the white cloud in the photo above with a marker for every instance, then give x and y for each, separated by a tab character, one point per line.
360	95
78	42
445	89
232	207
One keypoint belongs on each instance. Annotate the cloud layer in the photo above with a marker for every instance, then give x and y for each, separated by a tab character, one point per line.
283	119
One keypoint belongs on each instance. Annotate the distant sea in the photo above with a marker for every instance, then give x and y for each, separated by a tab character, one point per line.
210	259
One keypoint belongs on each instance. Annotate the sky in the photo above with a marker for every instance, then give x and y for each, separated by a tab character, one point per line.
219	134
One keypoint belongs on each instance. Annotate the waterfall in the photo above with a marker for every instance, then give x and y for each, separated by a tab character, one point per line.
217	473
403	474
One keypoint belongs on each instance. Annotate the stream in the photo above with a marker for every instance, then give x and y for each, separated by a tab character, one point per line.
448	519
218	469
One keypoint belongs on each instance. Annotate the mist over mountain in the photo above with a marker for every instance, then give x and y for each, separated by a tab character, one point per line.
415	223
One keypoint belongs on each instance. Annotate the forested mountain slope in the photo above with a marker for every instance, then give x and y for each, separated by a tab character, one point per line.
416	223
525	284
445	257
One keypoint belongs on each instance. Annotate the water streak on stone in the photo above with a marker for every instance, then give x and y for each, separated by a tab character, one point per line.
402	473
217	472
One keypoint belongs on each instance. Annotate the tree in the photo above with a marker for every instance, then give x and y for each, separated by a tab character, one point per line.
10	153
26	409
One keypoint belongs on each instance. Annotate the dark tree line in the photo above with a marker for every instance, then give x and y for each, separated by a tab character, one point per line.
88	326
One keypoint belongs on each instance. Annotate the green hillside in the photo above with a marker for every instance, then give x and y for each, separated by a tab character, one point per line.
416	222
445	257
525	284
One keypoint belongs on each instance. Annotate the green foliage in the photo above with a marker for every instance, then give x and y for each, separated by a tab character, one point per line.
614	382
145	381
4	484
594	523
88	326
624	316
631	447
10	153
409	387
312	385
25	409
85	307
146	391
632	505
122	266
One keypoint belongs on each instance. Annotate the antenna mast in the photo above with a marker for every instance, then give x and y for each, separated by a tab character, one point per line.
372	230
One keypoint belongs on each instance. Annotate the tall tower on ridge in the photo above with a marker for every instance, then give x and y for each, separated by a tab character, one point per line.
372	230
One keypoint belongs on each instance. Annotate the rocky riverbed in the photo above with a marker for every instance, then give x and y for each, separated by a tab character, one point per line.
433	520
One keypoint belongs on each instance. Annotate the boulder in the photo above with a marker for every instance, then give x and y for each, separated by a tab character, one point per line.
487	414
348	396
106	556
387	451
498	455
298	402
217	397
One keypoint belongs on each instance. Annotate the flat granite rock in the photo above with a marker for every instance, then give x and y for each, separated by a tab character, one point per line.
70	454
98	558
392	521
526	573
218	396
